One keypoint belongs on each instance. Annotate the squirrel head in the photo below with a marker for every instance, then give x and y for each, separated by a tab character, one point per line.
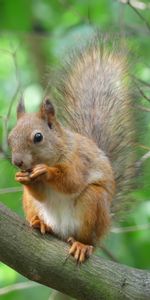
37	137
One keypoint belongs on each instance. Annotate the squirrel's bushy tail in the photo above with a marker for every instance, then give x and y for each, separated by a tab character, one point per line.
95	101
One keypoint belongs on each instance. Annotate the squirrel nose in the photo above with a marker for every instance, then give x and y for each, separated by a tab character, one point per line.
18	162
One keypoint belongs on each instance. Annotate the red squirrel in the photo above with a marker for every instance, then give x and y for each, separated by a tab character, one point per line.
69	168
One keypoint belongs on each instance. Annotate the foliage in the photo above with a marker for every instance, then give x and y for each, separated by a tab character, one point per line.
34	38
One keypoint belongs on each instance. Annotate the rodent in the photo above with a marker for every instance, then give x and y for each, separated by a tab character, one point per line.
73	174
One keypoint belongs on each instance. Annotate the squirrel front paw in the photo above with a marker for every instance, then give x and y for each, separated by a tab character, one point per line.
39	170
23	177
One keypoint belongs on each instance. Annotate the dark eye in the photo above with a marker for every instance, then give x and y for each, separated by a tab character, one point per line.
38	138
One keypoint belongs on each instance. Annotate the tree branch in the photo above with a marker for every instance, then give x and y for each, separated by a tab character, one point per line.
43	259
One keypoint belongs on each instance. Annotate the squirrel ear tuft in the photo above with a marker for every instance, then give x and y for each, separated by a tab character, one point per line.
47	111
20	108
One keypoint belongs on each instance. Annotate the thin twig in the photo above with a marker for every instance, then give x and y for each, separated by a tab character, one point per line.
143	108
142	159
18	286
142	146
131	228
6	51
143	94
14	55
121	19
6	119
18	89
141	81
108	253
136	4
10	190
12	102
134	7
140	16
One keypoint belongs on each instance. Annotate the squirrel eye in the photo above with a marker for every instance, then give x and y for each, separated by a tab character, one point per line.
38	138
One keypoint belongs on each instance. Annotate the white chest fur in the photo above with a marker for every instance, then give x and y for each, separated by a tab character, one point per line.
61	213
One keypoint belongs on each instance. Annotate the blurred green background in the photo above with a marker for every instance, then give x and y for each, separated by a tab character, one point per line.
34	36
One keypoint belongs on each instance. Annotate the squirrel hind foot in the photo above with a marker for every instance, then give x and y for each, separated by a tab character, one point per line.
37	223
79	250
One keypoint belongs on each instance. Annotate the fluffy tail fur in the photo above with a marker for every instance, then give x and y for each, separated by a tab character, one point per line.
94	100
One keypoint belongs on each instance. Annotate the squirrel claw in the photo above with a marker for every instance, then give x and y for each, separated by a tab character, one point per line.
37	223
79	251
70	241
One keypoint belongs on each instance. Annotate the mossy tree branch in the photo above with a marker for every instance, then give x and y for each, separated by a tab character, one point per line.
43	259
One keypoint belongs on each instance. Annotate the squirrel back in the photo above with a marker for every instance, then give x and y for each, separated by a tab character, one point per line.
94	100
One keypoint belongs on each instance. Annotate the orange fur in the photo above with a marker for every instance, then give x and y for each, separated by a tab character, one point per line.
68	181
95	200
96	217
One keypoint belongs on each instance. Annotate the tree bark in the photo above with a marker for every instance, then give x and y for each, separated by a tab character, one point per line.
43	259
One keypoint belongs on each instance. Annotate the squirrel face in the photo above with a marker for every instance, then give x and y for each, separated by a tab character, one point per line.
36	138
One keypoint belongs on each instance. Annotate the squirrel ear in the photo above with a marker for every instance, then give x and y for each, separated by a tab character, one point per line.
20	108
47	111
